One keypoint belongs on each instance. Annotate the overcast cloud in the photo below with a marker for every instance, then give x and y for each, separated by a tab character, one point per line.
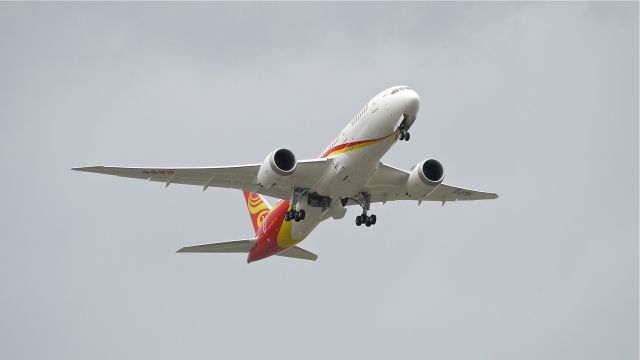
535	101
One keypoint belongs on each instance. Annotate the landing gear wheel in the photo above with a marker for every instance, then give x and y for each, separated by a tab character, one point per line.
363	218
296	217
363	199
372	218
303	214
401	135
407	136
287	216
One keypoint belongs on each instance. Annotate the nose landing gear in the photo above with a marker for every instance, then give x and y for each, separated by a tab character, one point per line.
404	135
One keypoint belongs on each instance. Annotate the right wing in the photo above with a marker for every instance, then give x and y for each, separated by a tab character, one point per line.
242	177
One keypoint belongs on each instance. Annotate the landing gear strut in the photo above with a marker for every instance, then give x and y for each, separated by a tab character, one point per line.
293	214
363	199
403	133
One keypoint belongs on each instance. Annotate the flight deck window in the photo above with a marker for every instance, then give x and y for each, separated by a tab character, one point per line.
394	91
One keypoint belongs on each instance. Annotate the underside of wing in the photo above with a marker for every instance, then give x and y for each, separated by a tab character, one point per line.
242	177
201	176
446	192
389	184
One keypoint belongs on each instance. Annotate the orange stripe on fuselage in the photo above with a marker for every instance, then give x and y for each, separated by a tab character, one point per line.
346	147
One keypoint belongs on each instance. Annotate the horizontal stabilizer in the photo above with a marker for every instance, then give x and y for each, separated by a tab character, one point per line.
298	253
238	246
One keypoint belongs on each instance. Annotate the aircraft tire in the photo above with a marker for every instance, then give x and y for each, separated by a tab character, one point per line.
363	218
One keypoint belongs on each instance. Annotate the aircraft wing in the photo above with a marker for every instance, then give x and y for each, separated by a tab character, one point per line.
242	177
387	184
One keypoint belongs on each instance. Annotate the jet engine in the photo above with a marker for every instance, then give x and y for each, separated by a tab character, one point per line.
425	178
279	164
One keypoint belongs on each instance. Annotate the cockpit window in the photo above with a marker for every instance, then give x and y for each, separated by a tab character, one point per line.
399	89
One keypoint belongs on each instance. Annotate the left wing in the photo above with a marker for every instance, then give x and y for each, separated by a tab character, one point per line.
242	177
387	184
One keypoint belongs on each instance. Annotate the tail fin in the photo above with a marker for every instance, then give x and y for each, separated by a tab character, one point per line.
258	208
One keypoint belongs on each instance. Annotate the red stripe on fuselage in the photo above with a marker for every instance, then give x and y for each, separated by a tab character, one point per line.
346	145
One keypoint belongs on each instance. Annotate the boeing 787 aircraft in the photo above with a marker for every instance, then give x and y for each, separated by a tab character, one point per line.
348	172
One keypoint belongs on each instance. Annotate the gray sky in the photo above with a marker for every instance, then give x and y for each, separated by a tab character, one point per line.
537	102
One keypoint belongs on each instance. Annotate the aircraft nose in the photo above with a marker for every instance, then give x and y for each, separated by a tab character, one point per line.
411	102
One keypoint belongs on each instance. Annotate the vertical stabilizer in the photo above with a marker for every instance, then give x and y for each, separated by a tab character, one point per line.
258	208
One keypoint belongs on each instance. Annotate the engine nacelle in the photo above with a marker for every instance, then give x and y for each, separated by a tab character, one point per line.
279	164
425	178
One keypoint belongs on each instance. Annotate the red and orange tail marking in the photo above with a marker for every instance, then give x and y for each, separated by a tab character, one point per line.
258	208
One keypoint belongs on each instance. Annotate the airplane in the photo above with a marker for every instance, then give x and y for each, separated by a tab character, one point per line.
347	173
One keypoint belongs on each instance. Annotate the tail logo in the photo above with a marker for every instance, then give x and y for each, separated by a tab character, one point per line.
257	208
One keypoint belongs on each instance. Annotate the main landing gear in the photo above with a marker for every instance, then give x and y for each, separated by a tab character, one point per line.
363	199
294	215
365	219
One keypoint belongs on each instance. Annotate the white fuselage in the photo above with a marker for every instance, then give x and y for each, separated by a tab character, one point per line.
356	152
